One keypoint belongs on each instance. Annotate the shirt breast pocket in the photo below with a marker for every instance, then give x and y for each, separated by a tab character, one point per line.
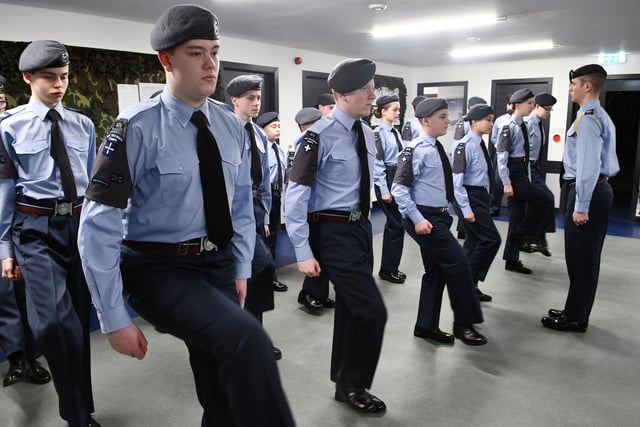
432	161
33	156
177	174
341	166
78	153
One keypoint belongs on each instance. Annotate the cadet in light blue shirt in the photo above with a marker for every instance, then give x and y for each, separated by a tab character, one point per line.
388	146
45	162
472	180
589	161
176	165
423	189
327	205
412	127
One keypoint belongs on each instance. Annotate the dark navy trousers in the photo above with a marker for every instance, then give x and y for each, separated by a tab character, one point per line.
275	223
393	236
548	223
527	206
345	254
444	264
193	297
58	305
15	333
260	285
482	239
583	249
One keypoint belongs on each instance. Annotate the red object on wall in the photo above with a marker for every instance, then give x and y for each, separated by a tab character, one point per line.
557	138
297	60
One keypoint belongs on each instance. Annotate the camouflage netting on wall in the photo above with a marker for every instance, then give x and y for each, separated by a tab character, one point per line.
93	78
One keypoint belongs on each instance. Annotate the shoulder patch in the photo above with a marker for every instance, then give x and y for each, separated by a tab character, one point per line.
459	159
305	162
407	131
110	178
458	133
379	149
504	139
7	169
404	173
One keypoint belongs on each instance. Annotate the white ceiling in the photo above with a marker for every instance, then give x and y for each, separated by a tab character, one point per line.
341	27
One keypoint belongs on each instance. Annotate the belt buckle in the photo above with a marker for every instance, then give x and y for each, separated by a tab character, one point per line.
275	187
355	216
254	193
62	208
207	245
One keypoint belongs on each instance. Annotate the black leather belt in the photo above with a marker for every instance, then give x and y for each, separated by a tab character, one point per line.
601	180
435	209
335	216
189	247
49	207
518	159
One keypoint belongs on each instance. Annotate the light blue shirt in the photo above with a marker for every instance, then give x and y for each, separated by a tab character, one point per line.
590	151
476	173
273	163
427	188
165	203
535	136
337	179
498	124
389	153
26	133
517	148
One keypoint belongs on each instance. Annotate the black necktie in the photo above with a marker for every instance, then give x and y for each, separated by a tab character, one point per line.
541	139
277	151
365	190
489	165
256	164
59	154
525	134
446	169
214	191
395	134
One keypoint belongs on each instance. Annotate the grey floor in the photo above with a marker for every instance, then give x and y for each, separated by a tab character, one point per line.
525	376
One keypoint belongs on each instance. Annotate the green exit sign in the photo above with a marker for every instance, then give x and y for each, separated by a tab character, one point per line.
612	58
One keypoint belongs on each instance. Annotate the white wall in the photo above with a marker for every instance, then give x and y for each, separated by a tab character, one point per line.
20	23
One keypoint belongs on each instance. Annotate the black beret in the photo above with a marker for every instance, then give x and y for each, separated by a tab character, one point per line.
385	99
326	99
520	96
43	54
545	99
429	106
308	115
587	69
241	84
417	100
267	118
478	112
475	100
182	23
351	74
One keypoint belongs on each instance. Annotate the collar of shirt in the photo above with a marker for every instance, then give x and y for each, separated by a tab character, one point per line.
385	126
41	110
181	111
474	137
533	118
424	137
589	105
343	118
517	120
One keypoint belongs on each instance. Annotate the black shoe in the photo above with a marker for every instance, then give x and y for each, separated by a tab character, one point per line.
328	303
562	323
392	277
17	369
277	354
359	398
309	303
543	249
278	286
402	275
553	312
482	296
461	235
468	335
433	334
528	247
91	422
517	266
36	373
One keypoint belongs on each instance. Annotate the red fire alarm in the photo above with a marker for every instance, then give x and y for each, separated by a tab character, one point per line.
557	138
297	60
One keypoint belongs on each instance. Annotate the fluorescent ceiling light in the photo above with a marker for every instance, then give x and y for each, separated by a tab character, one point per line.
501	49
432	25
